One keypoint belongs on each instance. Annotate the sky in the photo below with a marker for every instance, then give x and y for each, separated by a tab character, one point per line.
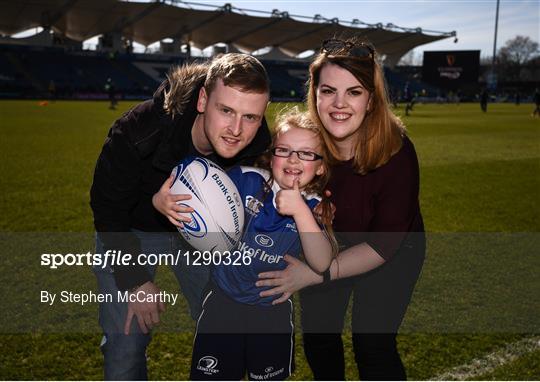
474	21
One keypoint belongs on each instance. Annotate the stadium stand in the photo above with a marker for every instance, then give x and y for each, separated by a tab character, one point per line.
29	65
25	72
55	54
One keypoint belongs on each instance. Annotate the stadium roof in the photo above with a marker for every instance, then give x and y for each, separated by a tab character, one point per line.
149	22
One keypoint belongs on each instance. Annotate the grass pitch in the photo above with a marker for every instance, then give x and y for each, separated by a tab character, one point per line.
480	181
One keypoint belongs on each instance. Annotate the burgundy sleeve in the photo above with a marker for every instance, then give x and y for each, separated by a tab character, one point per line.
396	201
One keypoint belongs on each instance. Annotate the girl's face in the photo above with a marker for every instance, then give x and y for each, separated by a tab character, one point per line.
286	170
342	103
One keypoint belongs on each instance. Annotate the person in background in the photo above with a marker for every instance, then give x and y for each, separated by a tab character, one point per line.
110	88
410	99
536	100
52	91
484	96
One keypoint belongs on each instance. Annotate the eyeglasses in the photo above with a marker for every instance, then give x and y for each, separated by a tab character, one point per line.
338	47
284	152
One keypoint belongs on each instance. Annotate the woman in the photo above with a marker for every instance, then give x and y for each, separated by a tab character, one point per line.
374	187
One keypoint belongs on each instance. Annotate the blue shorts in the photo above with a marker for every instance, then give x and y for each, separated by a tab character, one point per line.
235	339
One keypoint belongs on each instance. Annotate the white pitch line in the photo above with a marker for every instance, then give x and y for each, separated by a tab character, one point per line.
490	362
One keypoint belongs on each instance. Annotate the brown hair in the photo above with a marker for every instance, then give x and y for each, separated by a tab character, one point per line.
295	119
240	71
182	81
380	134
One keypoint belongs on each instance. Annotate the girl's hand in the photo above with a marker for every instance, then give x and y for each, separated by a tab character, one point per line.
291	202
168	204
296	276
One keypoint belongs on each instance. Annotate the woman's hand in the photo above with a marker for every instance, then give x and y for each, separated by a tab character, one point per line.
168	204
296	276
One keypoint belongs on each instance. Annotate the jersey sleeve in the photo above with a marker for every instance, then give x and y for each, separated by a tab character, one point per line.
235	173
313	201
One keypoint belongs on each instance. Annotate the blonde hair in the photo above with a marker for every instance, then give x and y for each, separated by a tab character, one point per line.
295	119
380	134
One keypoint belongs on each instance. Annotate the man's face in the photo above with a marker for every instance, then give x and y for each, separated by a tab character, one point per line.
230	120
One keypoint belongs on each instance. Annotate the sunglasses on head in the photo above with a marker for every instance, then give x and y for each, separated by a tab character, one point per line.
338	47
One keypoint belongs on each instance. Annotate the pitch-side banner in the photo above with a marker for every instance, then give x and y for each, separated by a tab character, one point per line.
451	68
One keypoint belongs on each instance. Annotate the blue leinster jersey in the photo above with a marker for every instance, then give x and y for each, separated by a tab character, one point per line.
268	236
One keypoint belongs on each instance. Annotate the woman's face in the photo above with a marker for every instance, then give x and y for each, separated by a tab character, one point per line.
342	103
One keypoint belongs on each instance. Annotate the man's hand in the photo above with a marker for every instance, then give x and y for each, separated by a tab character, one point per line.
168	204
147	313
290	202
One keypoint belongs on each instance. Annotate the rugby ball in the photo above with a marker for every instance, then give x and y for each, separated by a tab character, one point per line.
218	218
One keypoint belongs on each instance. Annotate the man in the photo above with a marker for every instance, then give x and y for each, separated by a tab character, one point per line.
409	98
536	99
484	96
111	91
212	110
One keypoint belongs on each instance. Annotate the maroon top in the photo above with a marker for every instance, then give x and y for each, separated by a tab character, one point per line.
384	200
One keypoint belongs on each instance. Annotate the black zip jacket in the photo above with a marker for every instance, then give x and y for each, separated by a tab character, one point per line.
141	149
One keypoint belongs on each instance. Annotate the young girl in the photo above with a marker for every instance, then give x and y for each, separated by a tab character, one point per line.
238	331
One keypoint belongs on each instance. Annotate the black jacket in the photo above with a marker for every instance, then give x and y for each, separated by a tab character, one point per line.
140	151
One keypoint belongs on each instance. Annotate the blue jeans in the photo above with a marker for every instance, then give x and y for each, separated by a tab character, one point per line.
125	356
